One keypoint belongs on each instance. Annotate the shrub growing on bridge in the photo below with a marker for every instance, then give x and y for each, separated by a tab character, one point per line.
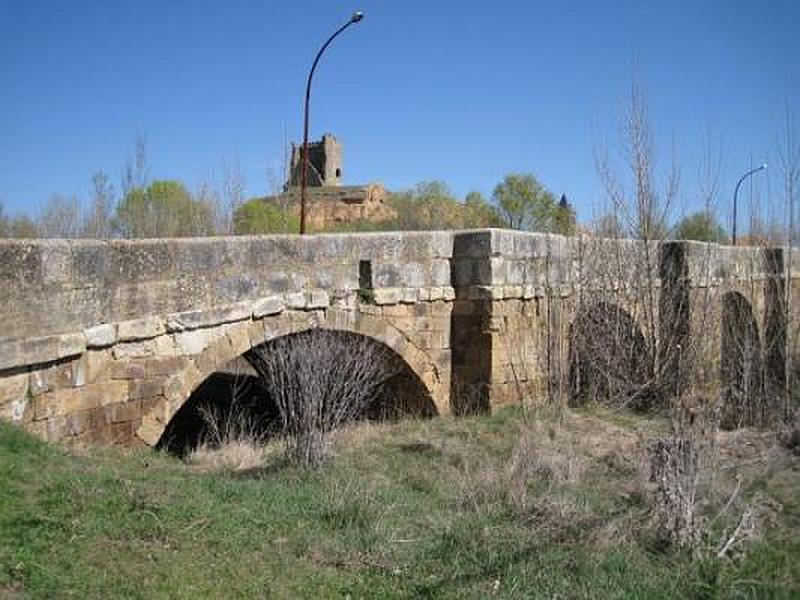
321	379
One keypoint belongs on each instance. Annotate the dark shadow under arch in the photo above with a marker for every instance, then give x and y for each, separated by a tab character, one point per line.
610	361
236	393
741	373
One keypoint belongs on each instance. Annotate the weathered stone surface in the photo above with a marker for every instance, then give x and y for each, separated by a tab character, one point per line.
194	319
459	307
65	402
21	353
195	341
158	367
145	388
140	329
128	369
100	336
271	305
297	300
387	296
319	299
140	349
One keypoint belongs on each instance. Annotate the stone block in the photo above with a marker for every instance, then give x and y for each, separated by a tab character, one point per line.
162	367
396	311
194	319
271	305
409	295
141	349
385	296
128	369
297	301
193	342
13	387
164	346
448	294
255	333
41	380
100	336
319	299
145	388
150	430
97	364
239	340
126	411
61	403
140	329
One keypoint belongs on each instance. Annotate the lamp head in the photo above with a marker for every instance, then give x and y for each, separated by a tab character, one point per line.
357	16
764	167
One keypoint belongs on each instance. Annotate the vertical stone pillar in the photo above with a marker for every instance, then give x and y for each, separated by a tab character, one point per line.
774	333
470	335
674	352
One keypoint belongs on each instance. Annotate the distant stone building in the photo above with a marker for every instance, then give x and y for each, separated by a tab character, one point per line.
329	202
324	163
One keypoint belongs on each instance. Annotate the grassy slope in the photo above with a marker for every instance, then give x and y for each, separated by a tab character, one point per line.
405	510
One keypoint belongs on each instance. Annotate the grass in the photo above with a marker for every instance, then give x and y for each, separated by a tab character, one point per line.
452	508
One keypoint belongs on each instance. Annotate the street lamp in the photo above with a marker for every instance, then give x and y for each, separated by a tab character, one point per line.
736	193
357	16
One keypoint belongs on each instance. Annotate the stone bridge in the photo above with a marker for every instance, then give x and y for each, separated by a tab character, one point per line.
104	341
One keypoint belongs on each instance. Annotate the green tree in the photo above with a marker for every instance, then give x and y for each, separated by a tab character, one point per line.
164	208
23	226
430	205
258	216
564	219
524	203
479	212
701	226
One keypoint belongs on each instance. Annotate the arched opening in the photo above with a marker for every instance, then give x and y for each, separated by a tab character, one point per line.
610	361
740	365
230	402
249	394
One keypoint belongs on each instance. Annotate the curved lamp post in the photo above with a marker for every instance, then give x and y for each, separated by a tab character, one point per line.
357	16
736	193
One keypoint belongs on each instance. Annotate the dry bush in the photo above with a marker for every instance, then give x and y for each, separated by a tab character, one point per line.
320	380
235	455
485	485
789	432
233	442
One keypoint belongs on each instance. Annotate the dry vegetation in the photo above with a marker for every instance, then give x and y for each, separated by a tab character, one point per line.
438	508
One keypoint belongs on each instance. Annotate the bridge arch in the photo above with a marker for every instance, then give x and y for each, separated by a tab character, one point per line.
239	339
610	360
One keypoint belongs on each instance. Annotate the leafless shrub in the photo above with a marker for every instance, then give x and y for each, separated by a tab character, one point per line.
321	379
789	432
485	485
234	442
677	465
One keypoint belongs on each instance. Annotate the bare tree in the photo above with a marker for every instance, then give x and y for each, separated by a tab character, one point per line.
134	175
321	379
60	218
98	224
789	161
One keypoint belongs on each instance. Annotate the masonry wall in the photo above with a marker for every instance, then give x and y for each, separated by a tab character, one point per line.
103	340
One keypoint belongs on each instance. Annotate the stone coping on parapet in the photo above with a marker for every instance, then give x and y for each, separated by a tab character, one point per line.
19	353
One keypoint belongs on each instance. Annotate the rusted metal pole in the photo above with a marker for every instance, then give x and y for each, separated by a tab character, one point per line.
357	16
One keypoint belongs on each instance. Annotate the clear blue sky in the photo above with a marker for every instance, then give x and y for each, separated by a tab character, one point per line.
463	91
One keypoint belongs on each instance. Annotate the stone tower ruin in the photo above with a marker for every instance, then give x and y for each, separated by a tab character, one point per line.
324	163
